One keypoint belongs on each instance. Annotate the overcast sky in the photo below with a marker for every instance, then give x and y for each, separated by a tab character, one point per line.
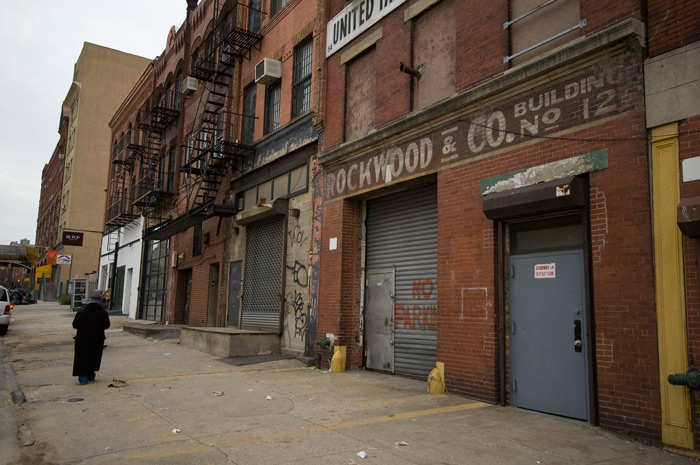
41	41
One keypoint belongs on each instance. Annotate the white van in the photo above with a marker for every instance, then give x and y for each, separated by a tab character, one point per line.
5	310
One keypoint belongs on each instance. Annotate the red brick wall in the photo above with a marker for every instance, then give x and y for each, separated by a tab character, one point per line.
623	299
199	297
672	24
689	147
340	280
481	41
599	15
467	323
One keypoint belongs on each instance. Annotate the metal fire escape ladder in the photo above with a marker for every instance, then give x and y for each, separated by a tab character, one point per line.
124	154
214	148
157	114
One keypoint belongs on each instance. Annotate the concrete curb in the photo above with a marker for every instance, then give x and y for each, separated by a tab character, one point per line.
15	392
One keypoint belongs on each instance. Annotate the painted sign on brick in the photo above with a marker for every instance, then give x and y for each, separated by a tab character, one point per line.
588	96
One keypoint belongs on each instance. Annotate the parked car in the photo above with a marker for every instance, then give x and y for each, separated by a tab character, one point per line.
6	308
19	297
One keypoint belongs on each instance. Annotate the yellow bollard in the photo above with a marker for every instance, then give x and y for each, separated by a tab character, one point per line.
338	360
436	379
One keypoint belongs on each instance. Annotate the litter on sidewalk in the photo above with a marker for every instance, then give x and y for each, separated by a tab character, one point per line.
117	383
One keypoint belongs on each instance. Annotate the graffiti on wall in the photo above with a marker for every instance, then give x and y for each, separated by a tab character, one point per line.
294	303
299	273
297	237
419	315
294	300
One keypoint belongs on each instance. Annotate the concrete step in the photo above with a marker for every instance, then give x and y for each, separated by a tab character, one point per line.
154	330
230	342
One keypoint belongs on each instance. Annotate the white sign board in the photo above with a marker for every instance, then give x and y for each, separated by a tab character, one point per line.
545	270
63	260
356	18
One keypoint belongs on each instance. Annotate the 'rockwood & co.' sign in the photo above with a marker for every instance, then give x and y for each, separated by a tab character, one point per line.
583	98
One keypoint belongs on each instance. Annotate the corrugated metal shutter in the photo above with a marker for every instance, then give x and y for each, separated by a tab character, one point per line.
262	282
402	233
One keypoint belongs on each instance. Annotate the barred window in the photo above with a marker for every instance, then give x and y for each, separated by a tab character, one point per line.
301	81
273	96
248	120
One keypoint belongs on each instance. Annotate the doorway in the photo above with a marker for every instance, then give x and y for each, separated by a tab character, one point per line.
548	320
213	294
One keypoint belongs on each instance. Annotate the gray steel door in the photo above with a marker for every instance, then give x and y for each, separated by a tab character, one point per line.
262	283
548	353
379	320
402	235
234	288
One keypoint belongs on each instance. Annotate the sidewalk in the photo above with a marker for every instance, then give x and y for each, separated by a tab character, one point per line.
180	406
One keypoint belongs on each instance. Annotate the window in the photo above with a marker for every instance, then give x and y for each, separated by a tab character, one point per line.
276	6
248	120
155	273
287	185
189	148
359	92
178	91
273	96
434	47
170	185
301	81
197	240
254	15
535	28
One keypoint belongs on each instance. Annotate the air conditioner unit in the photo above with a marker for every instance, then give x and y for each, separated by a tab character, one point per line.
61	156
189	86
268	71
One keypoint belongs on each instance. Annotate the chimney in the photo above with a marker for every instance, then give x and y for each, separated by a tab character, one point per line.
191	5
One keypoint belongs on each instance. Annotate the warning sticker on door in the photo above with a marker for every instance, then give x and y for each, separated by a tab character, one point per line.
545	270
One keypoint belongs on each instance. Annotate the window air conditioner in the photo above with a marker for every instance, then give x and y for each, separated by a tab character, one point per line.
61	156
188	86
268	71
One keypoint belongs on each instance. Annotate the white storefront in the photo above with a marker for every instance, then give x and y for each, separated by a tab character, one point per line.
126	243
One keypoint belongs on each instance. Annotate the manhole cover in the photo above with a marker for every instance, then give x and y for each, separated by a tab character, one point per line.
75	399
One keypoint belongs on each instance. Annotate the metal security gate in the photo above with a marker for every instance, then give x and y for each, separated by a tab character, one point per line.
262	282
402	235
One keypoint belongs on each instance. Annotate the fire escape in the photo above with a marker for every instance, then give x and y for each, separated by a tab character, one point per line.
124	154
155	181
212	148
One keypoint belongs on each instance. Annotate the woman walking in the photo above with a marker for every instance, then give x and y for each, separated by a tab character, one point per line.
91	323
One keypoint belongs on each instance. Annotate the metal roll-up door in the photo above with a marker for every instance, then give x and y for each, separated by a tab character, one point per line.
262	281
402	234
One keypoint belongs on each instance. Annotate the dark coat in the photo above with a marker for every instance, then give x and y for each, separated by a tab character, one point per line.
91	323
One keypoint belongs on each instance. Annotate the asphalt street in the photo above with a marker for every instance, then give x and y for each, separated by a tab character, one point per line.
156	402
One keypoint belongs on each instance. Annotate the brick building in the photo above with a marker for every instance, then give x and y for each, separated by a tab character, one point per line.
672	86
486	202
102	77
50	196
222	170
122	244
